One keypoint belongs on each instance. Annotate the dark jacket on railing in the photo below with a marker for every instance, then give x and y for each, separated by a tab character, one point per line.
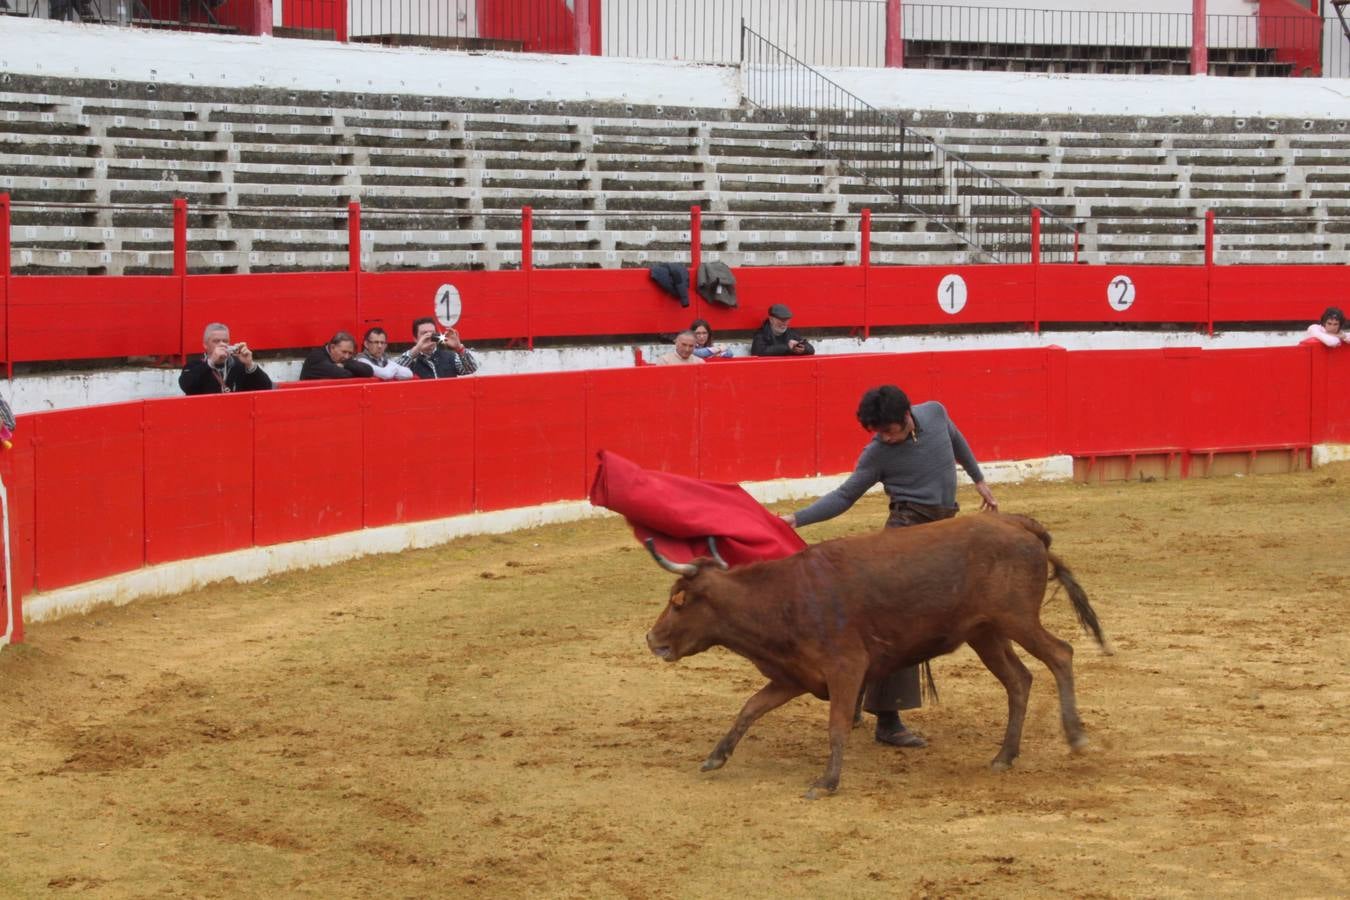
766	343
198	378
319	365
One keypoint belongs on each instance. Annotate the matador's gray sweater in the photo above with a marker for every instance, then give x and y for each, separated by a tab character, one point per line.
921	469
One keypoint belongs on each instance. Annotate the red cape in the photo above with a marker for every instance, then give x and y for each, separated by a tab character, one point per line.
680	513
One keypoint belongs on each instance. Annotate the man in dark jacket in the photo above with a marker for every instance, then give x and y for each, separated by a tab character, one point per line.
332	360
435	355
775	338
222	369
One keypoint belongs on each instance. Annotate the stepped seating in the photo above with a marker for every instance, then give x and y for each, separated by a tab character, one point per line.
269	183
1098	59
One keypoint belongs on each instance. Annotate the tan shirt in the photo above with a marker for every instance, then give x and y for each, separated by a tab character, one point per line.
673	359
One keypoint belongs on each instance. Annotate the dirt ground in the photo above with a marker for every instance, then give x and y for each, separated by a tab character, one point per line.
484	719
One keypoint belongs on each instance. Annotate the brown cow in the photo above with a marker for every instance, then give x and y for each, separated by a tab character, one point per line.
842	612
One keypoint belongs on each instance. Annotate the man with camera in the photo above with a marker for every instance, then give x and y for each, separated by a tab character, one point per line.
436	355
224	368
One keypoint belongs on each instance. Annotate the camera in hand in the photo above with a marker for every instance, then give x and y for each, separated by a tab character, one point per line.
235	348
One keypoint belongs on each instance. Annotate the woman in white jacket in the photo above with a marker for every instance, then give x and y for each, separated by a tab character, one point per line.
1330	329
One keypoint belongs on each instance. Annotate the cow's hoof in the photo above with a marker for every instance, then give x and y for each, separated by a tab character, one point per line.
818	790
712	763
1000	765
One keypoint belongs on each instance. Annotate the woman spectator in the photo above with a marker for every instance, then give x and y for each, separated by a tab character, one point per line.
1329	330
703	341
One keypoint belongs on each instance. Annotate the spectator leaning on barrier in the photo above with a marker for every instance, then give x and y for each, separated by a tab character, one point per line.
1330	329
332	360
775	338
704	347
435	355
683	354
223	368
373	359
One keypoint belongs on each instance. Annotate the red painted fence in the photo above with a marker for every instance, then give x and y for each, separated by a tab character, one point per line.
103	490
164	315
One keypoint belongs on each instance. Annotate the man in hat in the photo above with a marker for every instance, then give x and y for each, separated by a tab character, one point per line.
913	453
775	338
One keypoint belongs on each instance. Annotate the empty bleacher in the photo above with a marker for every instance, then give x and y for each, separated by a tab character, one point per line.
93	167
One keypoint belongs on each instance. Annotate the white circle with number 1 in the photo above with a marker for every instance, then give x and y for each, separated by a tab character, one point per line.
1120	293
952	294
447	305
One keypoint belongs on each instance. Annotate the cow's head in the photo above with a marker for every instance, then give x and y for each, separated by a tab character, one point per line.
689	623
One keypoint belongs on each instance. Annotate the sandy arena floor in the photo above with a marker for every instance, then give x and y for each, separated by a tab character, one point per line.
484	719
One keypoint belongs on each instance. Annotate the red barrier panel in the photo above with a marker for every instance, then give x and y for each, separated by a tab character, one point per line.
842	381
949	295
564	302
1000	399
1336	423
93	316
1119	400
308	467
758	420
89	494
819	296
270	311
1245	398
1120	294
1275	293
493	303
419	462
16	467
137	315
198	476
530	440
102	490
648	415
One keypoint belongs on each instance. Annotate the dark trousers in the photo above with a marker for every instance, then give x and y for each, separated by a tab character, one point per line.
900	689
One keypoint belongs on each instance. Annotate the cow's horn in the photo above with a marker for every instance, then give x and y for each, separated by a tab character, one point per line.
675	568
717	557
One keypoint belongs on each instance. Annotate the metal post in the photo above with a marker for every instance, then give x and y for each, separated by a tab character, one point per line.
1036	270
895	40
261	23
527	266
581	18
354	255
180	217
695	239
865	260
339	8
4	279
1199	49
1209	270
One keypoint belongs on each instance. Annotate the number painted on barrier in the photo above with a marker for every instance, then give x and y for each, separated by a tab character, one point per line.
1120	293
952	294
447	305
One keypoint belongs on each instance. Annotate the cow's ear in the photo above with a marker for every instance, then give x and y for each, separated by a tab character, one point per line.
677	599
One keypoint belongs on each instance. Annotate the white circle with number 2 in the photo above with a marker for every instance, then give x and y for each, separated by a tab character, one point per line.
1120	293
952	294
447	305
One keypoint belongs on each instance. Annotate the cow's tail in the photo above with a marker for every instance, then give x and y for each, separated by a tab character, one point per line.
1087	616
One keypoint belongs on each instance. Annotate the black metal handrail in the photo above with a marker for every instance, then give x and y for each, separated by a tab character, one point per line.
921	175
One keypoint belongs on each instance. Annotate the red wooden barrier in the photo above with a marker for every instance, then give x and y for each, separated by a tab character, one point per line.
270	311
529	441
103	490
88	492
418	438
308	466
198	476
139	315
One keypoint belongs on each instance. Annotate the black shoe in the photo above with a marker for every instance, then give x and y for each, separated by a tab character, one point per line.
890	730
